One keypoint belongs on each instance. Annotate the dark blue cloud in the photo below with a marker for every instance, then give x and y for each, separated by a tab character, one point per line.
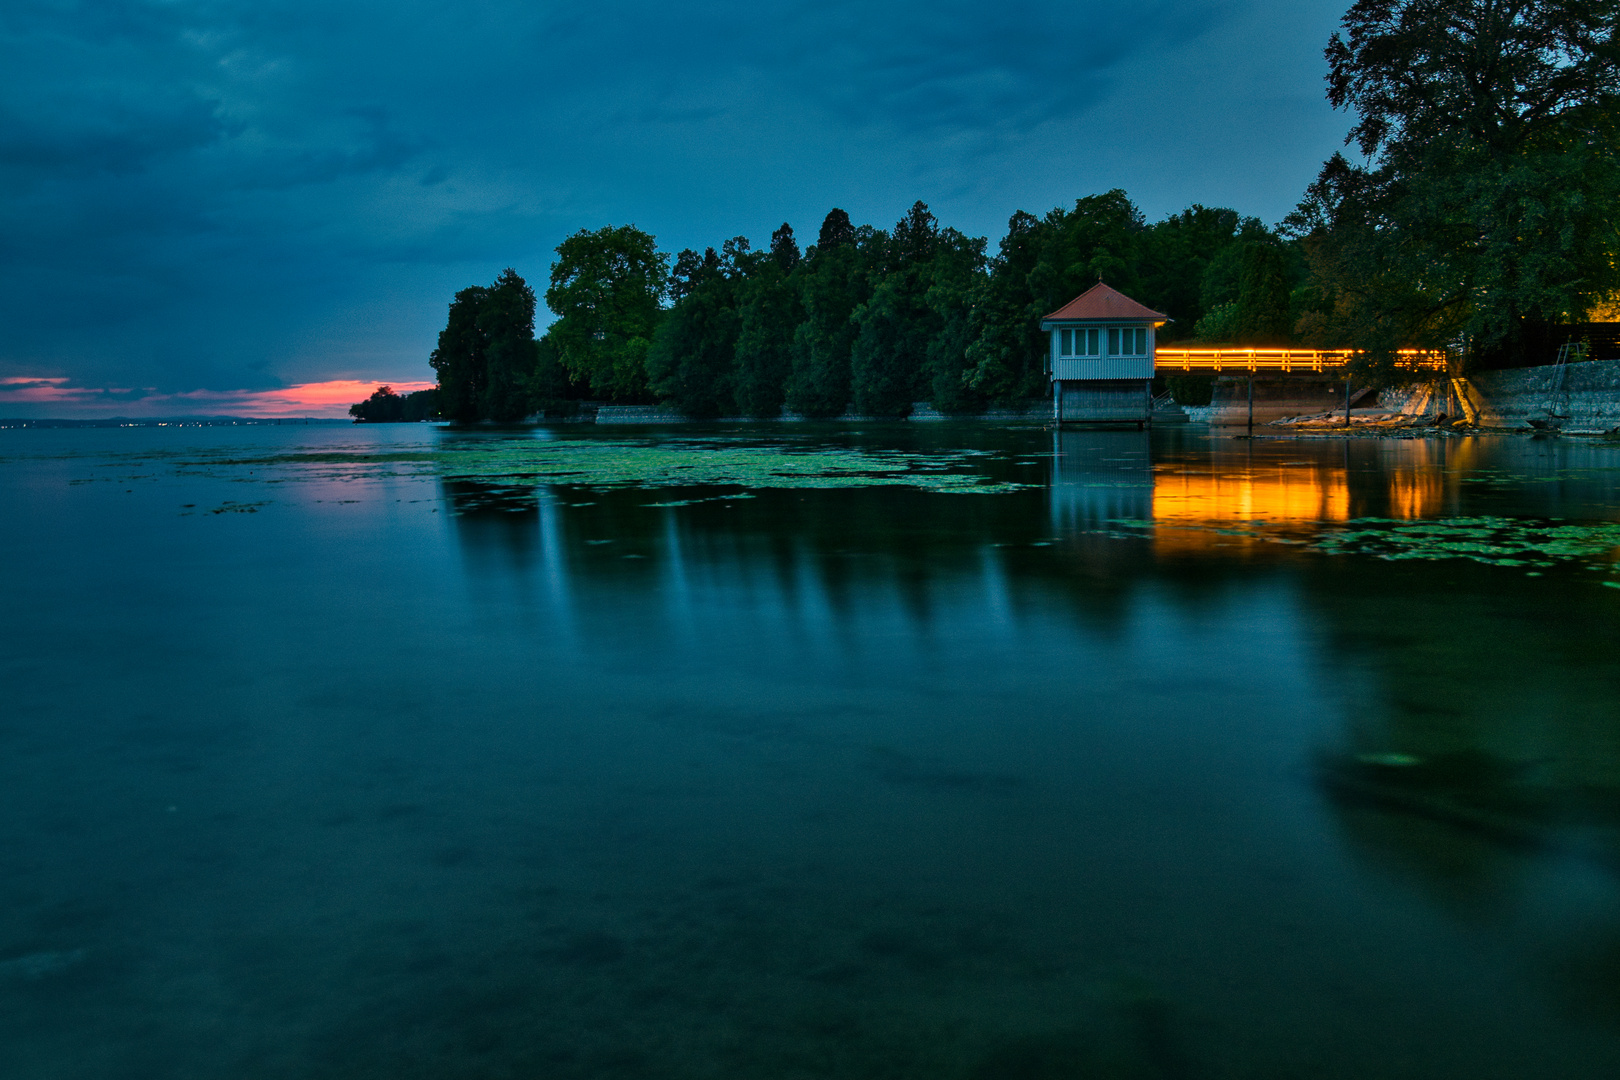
223	194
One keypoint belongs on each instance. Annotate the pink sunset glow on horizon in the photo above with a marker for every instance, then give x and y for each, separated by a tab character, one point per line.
58	397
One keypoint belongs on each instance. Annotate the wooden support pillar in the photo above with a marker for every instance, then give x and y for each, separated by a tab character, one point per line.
1251	403
1347	403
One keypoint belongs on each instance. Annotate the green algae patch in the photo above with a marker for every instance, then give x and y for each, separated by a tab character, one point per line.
622	463
1496	541
1526	543
685	464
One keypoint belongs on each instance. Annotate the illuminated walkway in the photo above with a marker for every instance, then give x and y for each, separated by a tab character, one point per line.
1172	358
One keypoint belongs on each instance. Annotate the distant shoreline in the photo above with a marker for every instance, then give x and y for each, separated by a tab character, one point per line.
171	421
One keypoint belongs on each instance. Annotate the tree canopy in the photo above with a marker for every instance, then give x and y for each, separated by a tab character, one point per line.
832	283
867	319
691	360
607	288
1487	202
486	351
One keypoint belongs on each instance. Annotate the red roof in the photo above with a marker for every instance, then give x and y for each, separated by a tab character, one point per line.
1102	302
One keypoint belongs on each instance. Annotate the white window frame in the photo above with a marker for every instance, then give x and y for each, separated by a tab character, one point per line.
1132	341
1084	342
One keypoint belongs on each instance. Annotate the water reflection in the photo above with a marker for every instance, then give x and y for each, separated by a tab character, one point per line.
1099	477
1115	510
1447	730
1201	503
585	781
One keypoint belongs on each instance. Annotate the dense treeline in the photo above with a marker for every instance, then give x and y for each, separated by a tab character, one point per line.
1485	215
865	319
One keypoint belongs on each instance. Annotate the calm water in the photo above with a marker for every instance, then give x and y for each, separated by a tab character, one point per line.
906	752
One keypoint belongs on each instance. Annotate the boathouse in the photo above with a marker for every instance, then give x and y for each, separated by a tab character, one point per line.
1101	358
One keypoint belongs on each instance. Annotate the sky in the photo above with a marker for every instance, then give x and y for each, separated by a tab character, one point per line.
257	208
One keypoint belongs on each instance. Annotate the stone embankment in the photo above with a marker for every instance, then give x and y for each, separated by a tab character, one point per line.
1582	398
1586	397
920	412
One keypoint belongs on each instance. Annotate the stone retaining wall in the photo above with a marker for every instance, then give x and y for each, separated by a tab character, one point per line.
1587	399
1589	396
920	411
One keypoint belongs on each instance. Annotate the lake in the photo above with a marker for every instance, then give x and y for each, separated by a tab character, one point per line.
906	751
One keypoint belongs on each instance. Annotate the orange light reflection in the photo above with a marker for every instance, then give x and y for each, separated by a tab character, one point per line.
1415	494
1191	510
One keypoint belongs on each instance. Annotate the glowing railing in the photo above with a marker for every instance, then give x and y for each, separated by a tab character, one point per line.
1318	360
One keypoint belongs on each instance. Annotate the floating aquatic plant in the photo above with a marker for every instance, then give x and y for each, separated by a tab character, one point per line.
691	463
1496	541
612	463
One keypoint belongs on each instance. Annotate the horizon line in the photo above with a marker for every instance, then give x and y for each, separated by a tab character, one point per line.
327	399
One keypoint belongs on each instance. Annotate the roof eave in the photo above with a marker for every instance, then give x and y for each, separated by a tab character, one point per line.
1051	323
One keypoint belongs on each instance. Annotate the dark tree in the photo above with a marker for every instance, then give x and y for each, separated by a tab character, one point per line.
785	249
1262	315
1007	354
926	311
889	360
1509	75
506	320
550	391
1222	277
1489	200
769	310
836	230
684	276
1191	263
421	405
692	360
832	284
459	360
956	297
916	236
486	351
382	407
606	290
386	407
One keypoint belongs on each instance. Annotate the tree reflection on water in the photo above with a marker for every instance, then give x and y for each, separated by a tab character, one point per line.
1480	739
